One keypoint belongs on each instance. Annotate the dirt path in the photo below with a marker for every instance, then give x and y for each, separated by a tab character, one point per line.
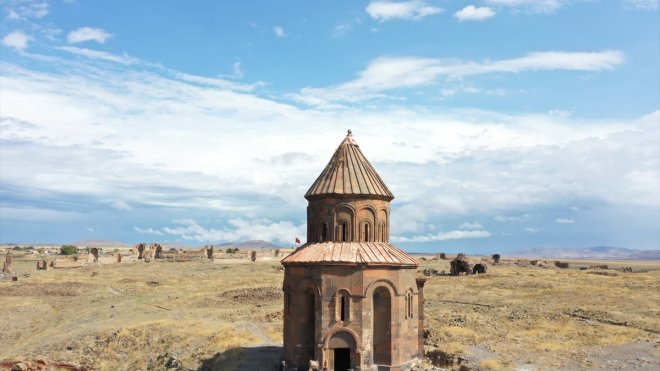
263	355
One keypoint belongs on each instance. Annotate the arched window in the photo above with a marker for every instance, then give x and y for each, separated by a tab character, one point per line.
409	305
343	306
367	237
343	230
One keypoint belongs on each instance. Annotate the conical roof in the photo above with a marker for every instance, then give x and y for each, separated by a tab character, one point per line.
349	173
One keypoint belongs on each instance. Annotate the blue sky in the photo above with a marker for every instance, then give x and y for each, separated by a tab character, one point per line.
497	124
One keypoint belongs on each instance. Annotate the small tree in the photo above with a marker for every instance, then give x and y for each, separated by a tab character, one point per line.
16	248
68	250
496	258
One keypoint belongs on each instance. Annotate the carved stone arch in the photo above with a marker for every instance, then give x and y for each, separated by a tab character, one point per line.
383	225
409	303
343	302
367	223
307	283
306	306
342	343
369	290
382	307
345	223
339	331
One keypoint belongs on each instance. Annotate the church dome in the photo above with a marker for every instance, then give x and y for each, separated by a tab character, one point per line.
349	173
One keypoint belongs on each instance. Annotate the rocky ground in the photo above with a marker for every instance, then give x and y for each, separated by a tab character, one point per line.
203	316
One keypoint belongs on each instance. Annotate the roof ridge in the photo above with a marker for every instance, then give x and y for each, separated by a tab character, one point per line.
349	173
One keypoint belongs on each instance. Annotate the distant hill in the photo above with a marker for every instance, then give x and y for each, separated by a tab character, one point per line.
99	243
596	252
248	245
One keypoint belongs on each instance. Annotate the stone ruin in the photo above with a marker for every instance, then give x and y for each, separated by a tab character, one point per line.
460	265
479	268
42	265
94	252
158	251
6	267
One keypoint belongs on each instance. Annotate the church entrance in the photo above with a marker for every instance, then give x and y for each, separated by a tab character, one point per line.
343	355
342	359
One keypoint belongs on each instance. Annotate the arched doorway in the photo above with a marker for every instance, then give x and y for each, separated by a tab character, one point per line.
382	326
343	351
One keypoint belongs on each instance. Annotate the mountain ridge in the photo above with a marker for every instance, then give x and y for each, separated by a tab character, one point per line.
594	252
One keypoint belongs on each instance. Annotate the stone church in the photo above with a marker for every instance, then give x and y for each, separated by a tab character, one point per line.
351	298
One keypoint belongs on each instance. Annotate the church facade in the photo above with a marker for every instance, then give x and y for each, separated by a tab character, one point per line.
351	299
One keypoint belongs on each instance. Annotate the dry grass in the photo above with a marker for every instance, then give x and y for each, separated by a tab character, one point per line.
547	315
139	316
491	364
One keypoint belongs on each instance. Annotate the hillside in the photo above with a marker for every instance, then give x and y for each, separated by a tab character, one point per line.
99	243
249	245
596	252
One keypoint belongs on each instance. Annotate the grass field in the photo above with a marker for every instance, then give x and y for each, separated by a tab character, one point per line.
199	315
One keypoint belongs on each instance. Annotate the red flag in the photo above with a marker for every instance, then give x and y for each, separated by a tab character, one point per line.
297	240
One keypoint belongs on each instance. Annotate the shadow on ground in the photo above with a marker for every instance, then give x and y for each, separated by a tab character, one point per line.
266	358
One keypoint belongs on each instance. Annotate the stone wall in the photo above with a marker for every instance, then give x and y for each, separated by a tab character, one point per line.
348	219
397	298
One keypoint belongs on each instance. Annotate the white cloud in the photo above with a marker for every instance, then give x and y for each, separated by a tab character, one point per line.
36	214
83	34
387	10
532	6
237	71
90	229
533	229
98	54
26	9
505	218
564	221
237	230
146	128
279	31
473	13
17	40
442	236
121	205
148	231
467	225
642	4
387	73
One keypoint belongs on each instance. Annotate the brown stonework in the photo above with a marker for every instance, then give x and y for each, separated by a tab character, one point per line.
351	299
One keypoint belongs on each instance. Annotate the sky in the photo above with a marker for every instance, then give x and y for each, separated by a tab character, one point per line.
499	125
